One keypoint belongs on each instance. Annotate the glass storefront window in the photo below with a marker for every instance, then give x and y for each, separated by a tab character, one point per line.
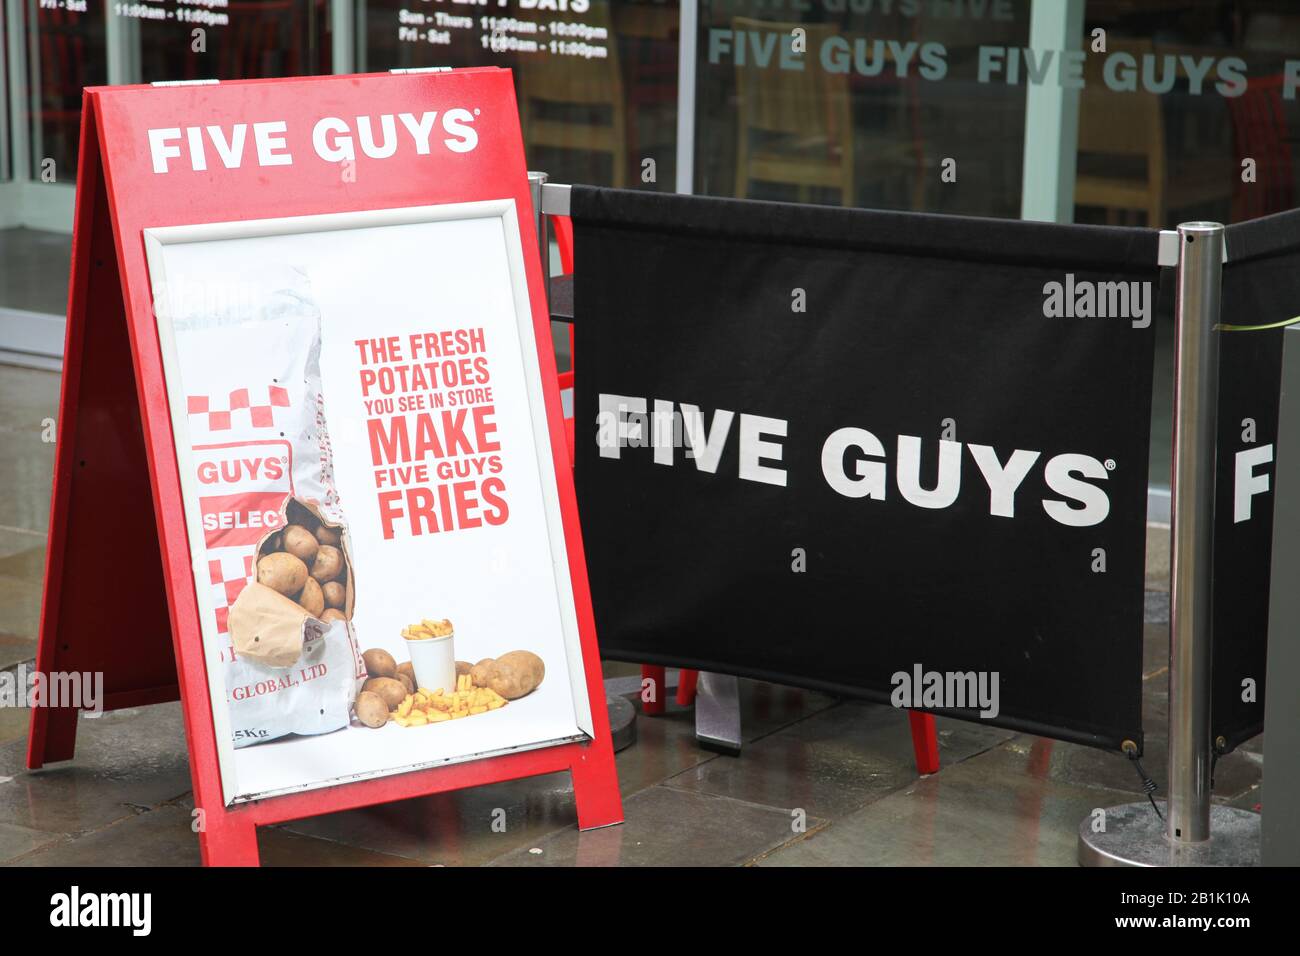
1191	111
849	102
858	103
72	43
66	51
596	80
1177	103
223	39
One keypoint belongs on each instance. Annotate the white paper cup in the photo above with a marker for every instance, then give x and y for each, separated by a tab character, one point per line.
434	660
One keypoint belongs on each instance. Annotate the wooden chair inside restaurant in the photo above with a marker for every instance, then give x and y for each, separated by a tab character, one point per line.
649	33
1123	161
572	103
795	126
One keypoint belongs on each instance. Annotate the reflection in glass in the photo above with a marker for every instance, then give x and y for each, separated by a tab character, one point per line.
65	52
781	140
235	40
1125	167
596	83
1177	107
576	105
859	104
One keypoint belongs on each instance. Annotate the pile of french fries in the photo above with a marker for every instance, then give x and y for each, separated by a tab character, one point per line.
433	706
426	629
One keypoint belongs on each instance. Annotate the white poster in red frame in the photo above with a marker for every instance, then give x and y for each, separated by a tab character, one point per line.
400	342
323	208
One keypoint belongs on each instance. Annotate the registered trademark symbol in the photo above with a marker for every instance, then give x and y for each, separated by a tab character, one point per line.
1110	464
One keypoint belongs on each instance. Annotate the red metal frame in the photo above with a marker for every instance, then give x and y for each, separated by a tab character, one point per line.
116	477
925	741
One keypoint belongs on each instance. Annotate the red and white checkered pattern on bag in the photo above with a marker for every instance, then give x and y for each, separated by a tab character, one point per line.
258	438
238	410
229	573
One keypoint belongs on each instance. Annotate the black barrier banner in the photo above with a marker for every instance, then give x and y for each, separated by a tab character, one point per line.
1261	286
883	455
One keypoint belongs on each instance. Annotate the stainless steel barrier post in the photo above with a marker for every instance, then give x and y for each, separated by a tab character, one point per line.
1194	833
550	199
536	182
1196	395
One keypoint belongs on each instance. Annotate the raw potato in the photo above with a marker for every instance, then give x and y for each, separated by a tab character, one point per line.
516	674
301	543
272	543
311	598
463	667
371	709
408	670
379	663
328	563
392	691
407	681
282	572
335	595
479	672
328	536
332	614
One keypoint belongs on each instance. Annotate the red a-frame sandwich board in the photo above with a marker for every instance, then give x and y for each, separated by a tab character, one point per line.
119	589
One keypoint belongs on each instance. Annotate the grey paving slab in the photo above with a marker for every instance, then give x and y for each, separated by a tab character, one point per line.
27	398
462	828
456	829
1155	652
15	650
20	618
17	841
22	553
125	760
995	809
668	827
164	837
834	761
14	722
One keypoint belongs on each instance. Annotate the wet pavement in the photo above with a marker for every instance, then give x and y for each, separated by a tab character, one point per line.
819	782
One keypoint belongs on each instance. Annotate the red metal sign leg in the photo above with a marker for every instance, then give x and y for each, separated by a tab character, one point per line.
925	742
228	839
595	786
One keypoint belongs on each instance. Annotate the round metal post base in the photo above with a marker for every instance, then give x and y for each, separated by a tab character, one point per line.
1135	836
622	722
